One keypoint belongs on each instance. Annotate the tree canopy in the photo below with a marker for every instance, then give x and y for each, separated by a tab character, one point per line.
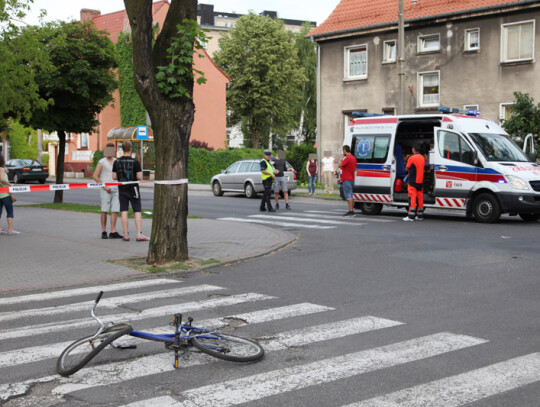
261	59
524	118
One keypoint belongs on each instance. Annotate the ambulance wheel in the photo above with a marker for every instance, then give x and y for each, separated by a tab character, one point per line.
369	208
486	208
529	217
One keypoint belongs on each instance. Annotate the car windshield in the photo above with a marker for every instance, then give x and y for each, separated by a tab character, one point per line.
27	162
498	147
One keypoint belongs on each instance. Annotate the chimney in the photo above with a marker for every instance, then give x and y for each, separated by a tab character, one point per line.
206	11
88	15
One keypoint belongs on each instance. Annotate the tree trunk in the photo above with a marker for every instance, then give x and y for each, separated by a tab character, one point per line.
59	194
171	119
255	137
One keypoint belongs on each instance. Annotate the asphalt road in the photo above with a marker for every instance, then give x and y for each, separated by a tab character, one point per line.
457	302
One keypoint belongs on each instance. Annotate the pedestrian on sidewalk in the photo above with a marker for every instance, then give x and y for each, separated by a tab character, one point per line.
415	177
348	167
109	195
329	172
312	169
268	174
281	180
128	169
5	200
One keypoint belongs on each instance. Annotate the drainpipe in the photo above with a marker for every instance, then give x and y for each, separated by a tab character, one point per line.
401	59
318	106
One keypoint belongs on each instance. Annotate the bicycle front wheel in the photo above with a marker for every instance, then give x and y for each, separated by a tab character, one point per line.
228	347
80	352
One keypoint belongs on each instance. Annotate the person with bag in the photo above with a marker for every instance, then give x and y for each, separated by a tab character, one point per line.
6	200
312	169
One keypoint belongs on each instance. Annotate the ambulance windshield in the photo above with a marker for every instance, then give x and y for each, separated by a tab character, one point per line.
497	147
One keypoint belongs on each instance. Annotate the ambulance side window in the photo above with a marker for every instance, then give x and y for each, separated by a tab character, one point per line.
453	147
370	148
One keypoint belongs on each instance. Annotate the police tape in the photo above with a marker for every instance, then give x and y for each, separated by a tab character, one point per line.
63	187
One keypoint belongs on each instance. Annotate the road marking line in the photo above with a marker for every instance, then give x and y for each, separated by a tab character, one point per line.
103	375
42	352
86	290
108	303
286	224
129	317
260	386
466	387
293	217
361	216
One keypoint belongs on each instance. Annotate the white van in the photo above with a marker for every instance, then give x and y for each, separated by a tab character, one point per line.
471	166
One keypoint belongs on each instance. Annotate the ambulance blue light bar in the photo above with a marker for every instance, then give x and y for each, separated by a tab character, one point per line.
366	114
455	110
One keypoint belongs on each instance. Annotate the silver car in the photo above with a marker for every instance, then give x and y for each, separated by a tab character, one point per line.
244	176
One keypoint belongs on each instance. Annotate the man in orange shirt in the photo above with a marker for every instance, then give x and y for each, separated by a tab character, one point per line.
415	175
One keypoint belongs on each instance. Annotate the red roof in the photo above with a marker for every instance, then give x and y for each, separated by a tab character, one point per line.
352	14
115	23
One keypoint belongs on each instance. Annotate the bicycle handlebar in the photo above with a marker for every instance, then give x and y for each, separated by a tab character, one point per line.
99	297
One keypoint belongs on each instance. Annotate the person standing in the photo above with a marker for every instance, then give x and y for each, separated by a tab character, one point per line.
329	172
126	169
5	200
280	180
415	175
312	169
348	168
268	174
109	195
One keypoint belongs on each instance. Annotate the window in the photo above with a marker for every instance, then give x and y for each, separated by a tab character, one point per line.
429	89
370	148
356	59
517	42
389	50
388	110
505	110
475	108
472	39
244	166
233	168
453	147
429	43
82	140
256	167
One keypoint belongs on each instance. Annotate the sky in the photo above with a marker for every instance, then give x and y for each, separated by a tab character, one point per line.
310	10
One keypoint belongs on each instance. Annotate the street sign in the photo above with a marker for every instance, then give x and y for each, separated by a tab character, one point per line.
142	133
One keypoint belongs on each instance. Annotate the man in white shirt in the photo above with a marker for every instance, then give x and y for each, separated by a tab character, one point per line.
329	172
109	195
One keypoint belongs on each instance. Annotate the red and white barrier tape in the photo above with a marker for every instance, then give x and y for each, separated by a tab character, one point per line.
56	187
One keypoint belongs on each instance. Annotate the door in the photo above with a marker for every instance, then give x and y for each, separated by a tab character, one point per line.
455	169
373	171
241	176
227	180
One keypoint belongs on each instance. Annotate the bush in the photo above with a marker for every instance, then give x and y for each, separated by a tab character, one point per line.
45	159
23	141
98	155
298	156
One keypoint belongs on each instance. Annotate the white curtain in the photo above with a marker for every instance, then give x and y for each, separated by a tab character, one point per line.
519	41
358	62
430	89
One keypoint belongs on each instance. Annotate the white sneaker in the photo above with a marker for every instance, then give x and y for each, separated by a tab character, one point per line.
407	219
417	218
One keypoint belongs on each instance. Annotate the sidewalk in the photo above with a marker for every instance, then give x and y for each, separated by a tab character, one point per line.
64	248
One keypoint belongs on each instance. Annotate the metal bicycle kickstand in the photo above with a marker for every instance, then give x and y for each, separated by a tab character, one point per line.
177	322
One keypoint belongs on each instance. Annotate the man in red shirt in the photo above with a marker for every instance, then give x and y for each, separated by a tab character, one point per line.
415	171
348	168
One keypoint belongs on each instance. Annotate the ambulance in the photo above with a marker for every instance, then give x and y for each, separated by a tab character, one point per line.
472	165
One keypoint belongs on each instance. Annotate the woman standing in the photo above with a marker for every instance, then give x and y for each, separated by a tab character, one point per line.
5	200
312	169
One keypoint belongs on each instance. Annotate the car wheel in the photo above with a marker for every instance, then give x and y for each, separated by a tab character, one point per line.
486	208
250	191
16	179
216	189
42	181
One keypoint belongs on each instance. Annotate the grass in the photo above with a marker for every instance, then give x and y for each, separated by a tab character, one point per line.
146	213
139	264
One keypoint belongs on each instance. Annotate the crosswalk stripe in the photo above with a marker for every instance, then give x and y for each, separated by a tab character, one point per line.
86	290
41	352
108	303
464	388
286	224
260	386
296	218
102	375
132	316
362	217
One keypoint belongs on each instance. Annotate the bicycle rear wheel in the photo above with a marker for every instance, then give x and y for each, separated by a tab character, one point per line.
80	352
228	347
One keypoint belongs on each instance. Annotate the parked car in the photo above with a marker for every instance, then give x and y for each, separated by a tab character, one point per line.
244	176
22	170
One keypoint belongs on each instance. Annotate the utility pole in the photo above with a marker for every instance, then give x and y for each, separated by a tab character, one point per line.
401	58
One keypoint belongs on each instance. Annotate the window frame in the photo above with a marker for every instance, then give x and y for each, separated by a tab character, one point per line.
468	47
387	60
374	147
504	47
421	43
502	109
421	89
461	141
347	67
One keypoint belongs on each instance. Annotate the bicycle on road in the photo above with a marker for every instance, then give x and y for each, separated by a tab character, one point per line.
222	346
